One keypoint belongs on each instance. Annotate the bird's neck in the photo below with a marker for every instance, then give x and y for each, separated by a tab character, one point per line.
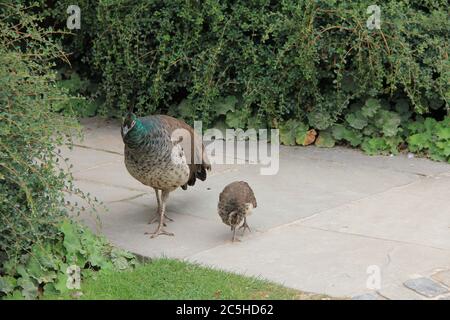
136	137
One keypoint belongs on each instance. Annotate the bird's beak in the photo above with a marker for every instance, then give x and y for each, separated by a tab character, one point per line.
125	130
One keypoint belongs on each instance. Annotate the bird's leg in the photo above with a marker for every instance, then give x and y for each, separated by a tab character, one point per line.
160	229
164	198
245	226
234	234
158	213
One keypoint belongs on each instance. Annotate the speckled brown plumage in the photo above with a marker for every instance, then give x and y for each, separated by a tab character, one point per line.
236	202
160	152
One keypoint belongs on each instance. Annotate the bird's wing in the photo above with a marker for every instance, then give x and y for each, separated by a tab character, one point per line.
249	195
238	191
192	145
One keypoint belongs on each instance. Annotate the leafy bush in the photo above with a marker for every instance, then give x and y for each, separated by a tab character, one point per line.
74	73
31	178
85	101
373	126
296	65
304	60
378	130
37	242
44	270
431	138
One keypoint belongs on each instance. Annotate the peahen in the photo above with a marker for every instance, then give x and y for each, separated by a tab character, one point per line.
160	152
236	202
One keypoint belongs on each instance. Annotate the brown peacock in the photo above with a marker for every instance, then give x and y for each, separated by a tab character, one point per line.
236	202
163	153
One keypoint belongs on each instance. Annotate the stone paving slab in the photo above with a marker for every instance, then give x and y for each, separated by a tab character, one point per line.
416	213
303	197
443	277
322	261
426	287
354	157
125	224
114	174
106	193
321	221
102	134
82	158
368	296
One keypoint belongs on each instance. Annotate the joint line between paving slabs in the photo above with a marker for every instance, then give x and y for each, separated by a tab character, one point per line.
377	238
324	211
98	149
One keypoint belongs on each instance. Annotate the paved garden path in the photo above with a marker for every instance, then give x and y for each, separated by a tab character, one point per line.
332	221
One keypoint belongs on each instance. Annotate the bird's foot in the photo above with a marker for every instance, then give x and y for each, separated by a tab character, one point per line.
245	226
159	231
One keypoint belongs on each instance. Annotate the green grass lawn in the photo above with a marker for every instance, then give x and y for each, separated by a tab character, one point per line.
174	279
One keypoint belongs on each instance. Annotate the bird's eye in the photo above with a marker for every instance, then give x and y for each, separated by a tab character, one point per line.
132	124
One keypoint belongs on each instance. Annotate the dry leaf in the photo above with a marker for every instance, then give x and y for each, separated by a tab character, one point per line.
310	137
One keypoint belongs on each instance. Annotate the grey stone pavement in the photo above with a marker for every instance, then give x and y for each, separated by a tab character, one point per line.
332	221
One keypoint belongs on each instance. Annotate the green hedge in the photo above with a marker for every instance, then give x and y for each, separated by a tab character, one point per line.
259	63
304	66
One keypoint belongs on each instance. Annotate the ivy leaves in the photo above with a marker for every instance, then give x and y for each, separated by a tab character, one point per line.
378	130
325	139
294	132
388	123
45	268
342	132
370	108
431	138
371	126
356	120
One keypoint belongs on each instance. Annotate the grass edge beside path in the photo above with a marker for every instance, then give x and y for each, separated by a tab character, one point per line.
164	278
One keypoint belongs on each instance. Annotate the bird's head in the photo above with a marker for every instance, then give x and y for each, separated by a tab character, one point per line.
233	218
128	123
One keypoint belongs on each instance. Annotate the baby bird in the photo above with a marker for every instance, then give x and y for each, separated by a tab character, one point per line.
235	203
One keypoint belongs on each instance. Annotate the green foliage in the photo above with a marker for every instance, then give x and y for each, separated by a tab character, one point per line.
33	176
373	127
431	138
356	120
44	269
293	132
82	91
378	130
341	132
325	139
245	64
370	108
381	145
285	60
